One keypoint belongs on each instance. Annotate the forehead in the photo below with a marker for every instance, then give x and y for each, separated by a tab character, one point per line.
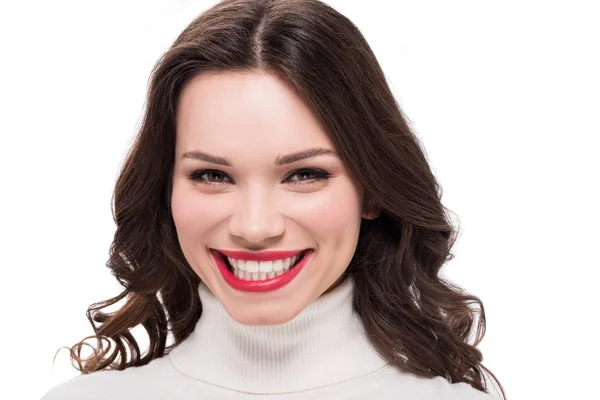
250	111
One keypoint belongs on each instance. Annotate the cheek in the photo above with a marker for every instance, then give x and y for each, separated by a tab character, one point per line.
193	214
332	214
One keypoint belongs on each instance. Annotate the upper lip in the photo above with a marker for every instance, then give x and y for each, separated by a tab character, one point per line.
270	255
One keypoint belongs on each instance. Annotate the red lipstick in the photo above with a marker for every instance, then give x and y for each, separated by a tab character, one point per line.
265	285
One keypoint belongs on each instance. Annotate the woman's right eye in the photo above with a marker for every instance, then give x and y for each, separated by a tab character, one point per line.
211	177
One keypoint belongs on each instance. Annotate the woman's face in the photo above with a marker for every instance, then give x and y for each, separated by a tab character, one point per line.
256	204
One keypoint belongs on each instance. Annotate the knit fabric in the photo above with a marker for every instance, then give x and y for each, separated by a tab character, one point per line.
323	353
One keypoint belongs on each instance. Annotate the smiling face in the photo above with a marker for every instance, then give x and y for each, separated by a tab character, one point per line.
262	200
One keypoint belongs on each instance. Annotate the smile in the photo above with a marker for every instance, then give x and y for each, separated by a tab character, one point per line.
260	272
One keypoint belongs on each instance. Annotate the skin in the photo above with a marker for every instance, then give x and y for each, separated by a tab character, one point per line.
253	205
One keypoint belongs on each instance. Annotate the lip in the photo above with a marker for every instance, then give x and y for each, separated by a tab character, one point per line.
266	285
259	256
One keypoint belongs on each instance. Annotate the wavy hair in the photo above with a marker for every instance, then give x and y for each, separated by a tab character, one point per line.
420	322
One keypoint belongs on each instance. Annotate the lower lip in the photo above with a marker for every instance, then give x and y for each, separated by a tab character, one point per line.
265	285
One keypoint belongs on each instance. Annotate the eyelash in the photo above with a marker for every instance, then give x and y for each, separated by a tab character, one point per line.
196	176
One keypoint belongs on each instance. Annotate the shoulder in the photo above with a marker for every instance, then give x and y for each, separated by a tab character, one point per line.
438	388
99	385
111	385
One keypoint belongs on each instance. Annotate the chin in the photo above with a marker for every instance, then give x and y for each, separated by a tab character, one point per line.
263	315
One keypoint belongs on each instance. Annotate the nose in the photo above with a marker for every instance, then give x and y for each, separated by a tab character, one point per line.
257	221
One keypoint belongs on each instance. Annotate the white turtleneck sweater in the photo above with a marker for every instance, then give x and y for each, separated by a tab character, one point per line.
323	353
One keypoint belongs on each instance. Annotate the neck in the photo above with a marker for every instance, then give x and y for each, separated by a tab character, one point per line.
324	344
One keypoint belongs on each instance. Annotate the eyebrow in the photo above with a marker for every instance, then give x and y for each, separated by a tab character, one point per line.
281	160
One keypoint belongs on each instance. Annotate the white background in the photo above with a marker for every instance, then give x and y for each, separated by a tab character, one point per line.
505	96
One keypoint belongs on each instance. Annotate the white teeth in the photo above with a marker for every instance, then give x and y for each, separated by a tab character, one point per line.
251	266
265	266
239	264
286	263
255	270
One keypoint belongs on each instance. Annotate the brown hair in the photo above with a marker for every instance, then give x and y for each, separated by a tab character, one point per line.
420	322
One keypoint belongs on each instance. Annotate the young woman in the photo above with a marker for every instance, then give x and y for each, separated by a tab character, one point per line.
279	225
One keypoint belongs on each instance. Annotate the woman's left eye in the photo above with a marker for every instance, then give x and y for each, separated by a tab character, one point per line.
317	175
310	176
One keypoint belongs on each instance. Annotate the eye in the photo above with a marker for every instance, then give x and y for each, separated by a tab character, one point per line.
213	177
317	175
197	176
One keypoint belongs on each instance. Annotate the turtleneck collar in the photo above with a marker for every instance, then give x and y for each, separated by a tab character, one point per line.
324	344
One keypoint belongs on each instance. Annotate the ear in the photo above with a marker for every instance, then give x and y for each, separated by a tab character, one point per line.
370	211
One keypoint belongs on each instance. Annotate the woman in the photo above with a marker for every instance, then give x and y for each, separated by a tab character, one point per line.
278	223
